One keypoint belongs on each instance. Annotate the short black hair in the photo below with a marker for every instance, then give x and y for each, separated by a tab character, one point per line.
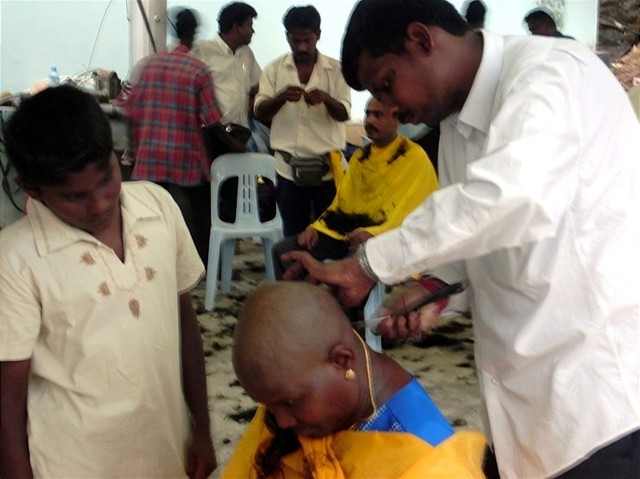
306	18
235	13
57	132
186	24
540	15
380	26
475	13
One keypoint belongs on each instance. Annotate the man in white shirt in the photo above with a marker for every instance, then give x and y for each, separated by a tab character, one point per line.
235	71
305	96
236	74
537	211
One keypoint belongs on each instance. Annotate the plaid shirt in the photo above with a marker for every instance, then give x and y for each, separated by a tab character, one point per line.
168	106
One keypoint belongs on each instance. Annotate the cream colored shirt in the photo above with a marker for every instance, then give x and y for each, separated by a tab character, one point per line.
234	74
105	397
538	208
298	128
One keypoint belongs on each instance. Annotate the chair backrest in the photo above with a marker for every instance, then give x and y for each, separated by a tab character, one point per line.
247	167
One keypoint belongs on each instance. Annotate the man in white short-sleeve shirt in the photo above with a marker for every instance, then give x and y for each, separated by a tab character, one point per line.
234	68
305	96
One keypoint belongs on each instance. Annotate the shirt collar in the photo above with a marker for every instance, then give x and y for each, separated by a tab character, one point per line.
477	110
321	62
181	48
51	234
222	44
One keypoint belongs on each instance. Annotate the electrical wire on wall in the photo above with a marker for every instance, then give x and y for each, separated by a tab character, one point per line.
95	43
145	19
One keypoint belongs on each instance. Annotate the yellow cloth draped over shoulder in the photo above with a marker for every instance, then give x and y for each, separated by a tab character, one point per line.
360	454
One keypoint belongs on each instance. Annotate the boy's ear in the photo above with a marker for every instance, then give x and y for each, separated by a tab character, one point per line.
418	38
32	191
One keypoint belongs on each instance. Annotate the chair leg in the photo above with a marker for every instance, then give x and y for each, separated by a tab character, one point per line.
228	251
371	307
267	246
212	272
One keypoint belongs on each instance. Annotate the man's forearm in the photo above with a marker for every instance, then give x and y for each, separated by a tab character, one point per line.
268	108
15	460
14	446
336	109
193	370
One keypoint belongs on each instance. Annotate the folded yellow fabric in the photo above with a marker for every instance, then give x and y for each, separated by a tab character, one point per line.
358	454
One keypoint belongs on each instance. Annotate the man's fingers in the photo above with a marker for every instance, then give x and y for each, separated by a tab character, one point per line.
307	262
293	272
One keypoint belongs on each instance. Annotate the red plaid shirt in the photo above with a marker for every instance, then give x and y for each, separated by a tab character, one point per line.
168	106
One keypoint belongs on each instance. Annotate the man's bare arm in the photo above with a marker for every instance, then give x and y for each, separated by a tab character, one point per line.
14	446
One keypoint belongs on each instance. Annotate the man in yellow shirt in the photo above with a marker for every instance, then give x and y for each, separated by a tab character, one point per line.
383	183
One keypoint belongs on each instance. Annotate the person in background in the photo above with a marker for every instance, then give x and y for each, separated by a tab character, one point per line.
383	183
167	107
236	74
234	68
475	12
101	364
329	405
536	212
541	22
304	95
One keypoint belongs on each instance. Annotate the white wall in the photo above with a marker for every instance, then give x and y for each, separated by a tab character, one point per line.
81	35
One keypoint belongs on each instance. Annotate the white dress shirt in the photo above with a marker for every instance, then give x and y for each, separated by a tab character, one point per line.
539	211
299	128
233	76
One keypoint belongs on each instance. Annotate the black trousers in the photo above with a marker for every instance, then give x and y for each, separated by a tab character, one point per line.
195	205
618	460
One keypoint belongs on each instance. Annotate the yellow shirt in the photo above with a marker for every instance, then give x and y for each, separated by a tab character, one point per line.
383	188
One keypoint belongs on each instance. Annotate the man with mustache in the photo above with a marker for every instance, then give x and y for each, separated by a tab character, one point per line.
307	100
384	182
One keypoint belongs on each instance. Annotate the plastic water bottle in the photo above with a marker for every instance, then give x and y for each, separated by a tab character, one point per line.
54	78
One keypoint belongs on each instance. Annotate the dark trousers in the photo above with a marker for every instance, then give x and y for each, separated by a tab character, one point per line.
195	204
618	460
299	206
326	248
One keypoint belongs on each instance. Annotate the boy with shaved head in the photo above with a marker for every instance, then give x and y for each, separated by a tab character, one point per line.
329	402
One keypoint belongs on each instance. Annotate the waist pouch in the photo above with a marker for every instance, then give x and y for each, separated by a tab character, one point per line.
307	170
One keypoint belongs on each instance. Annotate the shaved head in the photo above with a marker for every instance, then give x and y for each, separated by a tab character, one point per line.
287	326
294	351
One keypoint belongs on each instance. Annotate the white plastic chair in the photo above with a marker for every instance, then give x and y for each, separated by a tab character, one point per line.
247	167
